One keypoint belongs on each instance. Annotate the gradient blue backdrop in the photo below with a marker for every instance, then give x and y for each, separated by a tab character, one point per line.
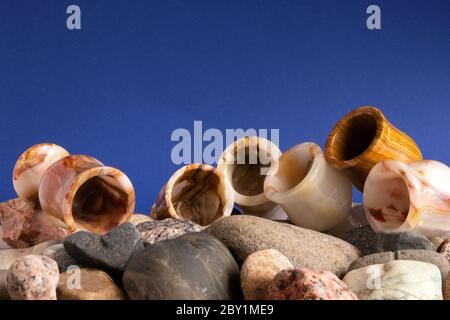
139	69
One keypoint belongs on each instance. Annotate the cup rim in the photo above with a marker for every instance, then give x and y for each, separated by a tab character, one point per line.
97	171
231	150
228	205
318	161
381	123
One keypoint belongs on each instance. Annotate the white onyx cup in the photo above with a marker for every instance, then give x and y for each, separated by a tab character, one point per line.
312	193
245	164
414	196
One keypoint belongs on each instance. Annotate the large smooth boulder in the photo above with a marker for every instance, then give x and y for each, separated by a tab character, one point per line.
244	235
195	266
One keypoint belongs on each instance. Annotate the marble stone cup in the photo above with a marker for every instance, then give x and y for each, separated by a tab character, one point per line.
196	192
363	138
402	197
312	193
80	193
30	168
245	163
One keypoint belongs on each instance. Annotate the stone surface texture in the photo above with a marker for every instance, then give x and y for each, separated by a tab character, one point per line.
33	278
401	241
109	252
305	284
88	284
153	231
194	266
244	235
23	226
362	238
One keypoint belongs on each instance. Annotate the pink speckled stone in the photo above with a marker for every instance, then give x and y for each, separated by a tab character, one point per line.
306	284
33	278
444	249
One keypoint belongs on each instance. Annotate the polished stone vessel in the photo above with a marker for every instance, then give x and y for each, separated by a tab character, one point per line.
80	193
312	193
413	196
363	138
196	192
245	164
31	166
195	266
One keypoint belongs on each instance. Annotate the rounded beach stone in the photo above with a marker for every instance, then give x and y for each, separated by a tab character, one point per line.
305	284
195	266
153	231
88	284
244	235
33	278
258	271
396	280
416	255
401	241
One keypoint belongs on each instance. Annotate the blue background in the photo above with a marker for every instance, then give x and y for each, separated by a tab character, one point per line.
137	70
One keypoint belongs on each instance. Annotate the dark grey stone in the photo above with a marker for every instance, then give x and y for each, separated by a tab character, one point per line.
401	241
109	252
362	238
195	266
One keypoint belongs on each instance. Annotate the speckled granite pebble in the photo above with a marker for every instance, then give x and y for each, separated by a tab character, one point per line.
305	284
258	271
33	278
153	231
